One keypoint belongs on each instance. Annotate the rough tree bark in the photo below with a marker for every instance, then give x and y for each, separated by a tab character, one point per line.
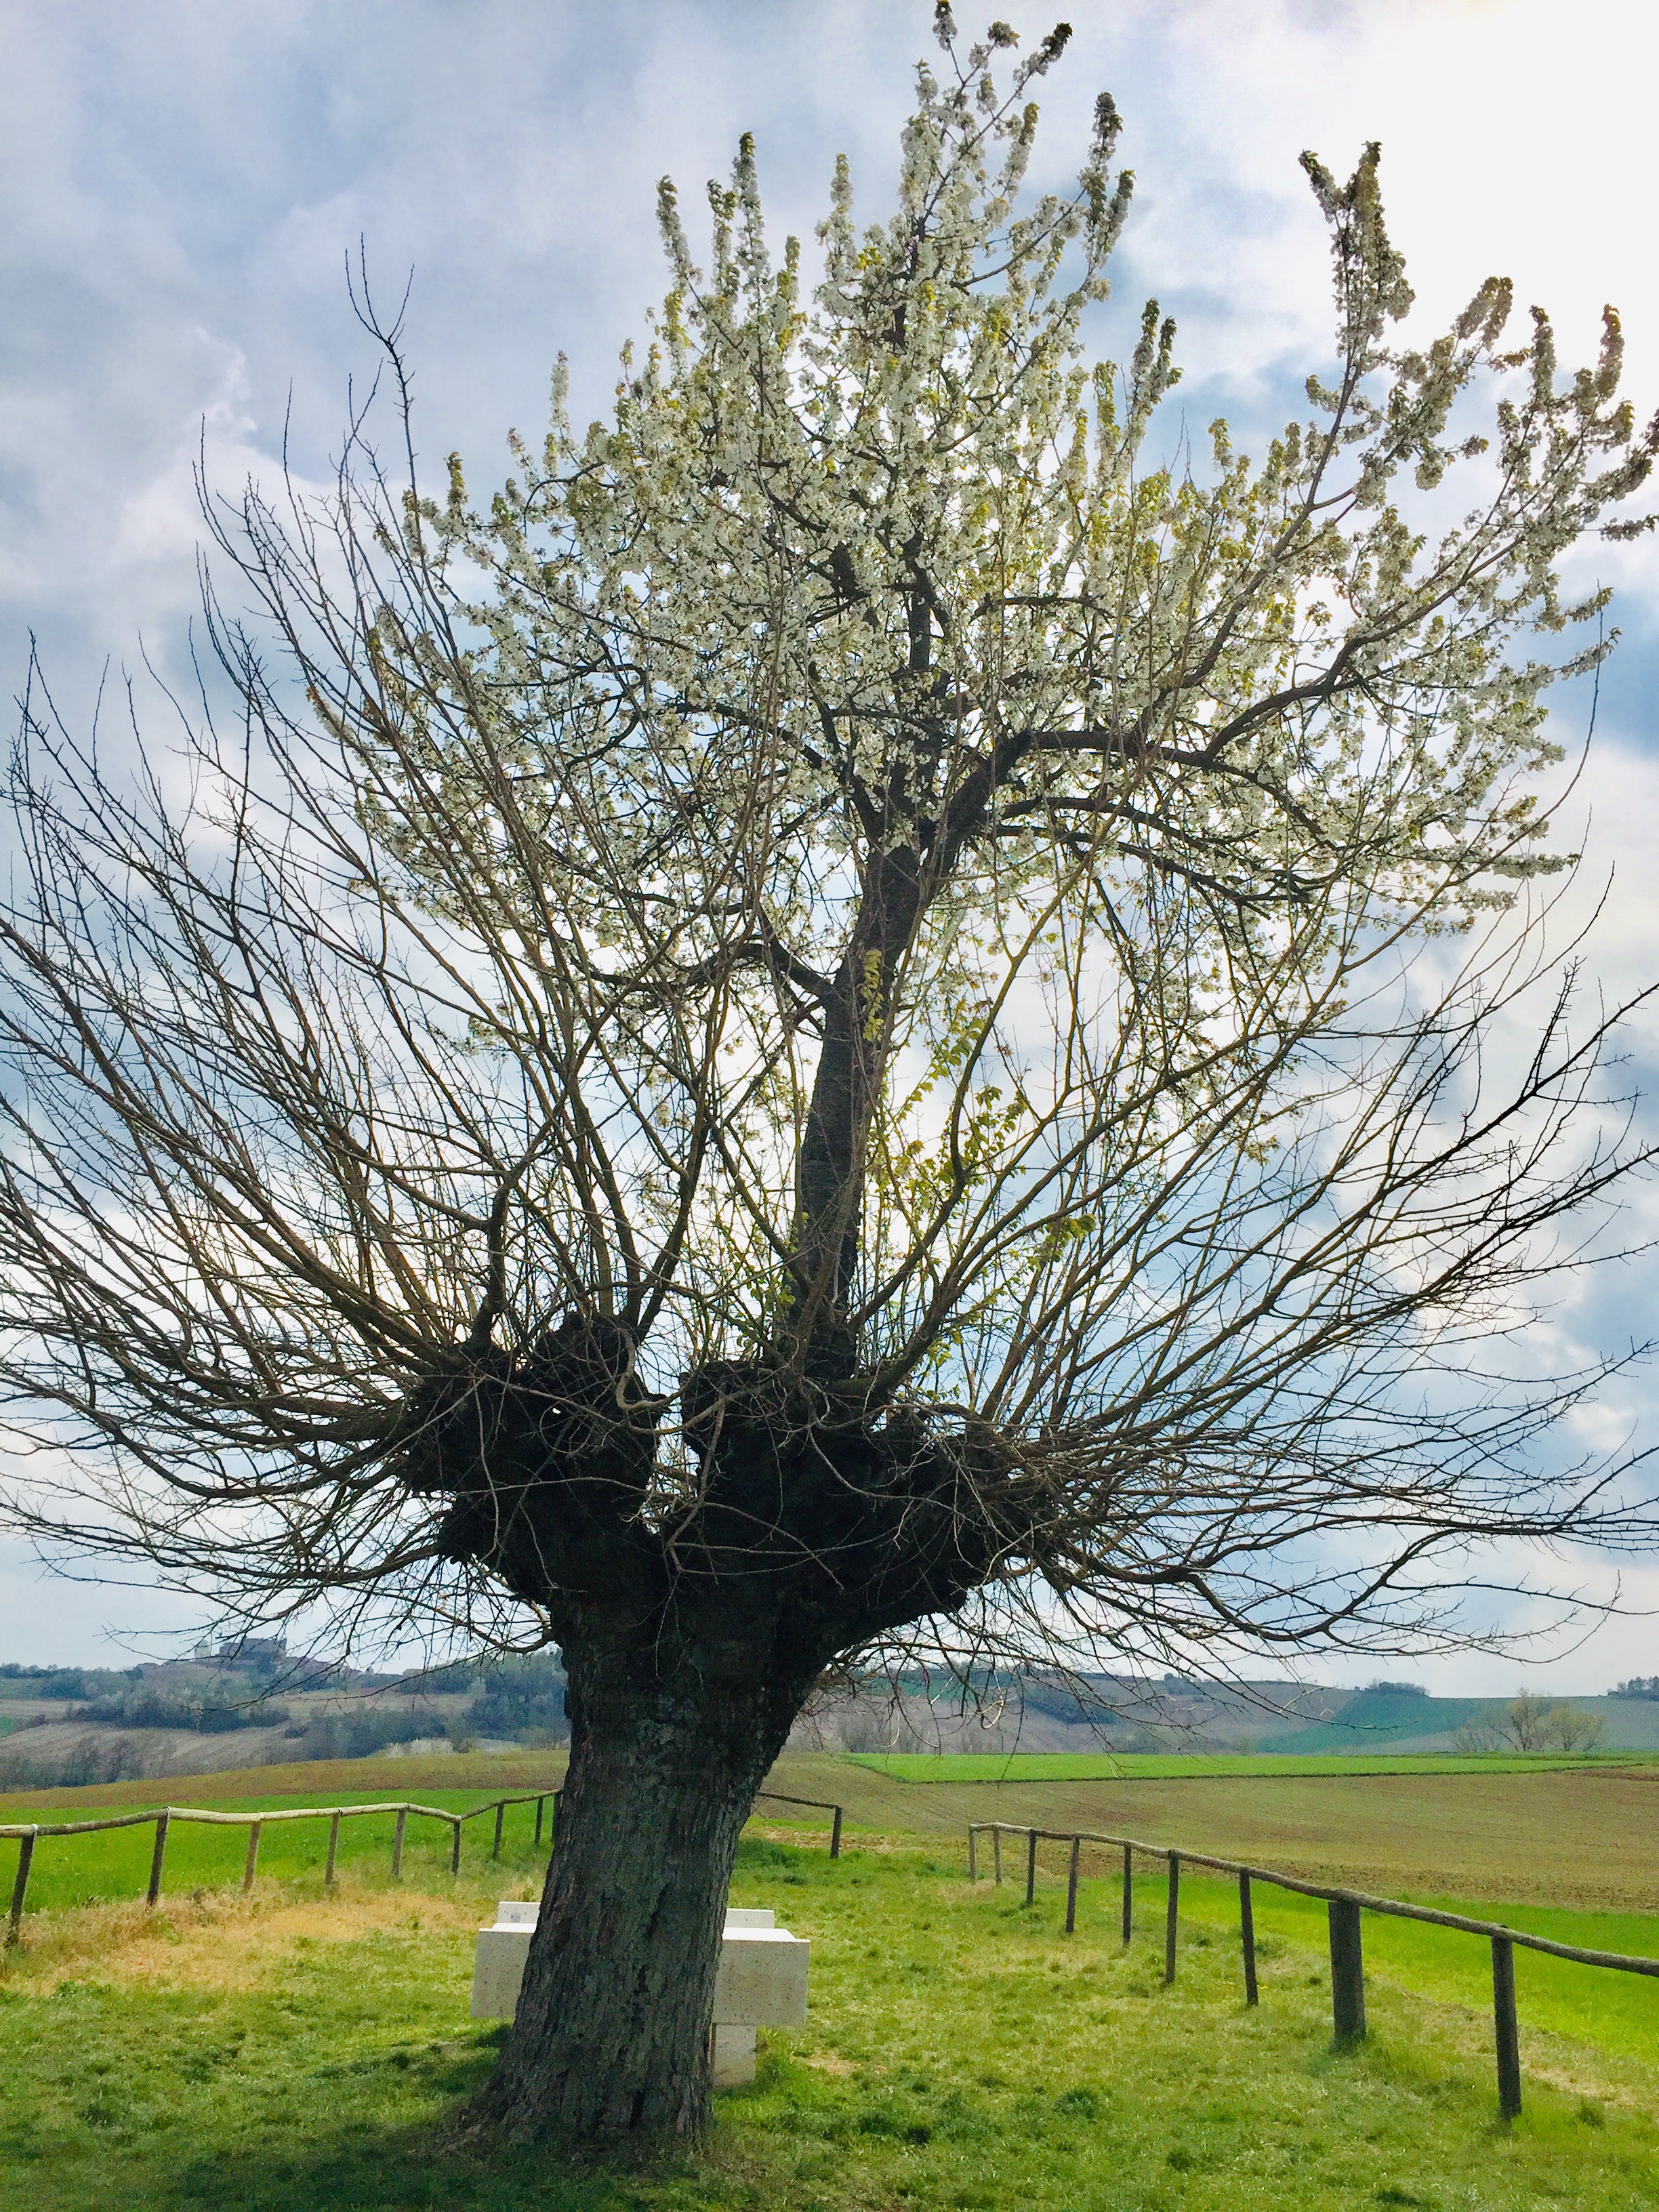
691	1642
612	2026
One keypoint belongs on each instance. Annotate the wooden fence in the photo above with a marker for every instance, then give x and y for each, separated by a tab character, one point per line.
165	1817
28	1833
818	1805
1343	1908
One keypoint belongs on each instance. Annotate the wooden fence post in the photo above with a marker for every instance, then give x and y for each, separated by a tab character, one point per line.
20	1890
156	1857
500	1814
1347	1971
835	1835
1508	2041
1346	1929
1128	1894
973	1852
1171	1908
541	1808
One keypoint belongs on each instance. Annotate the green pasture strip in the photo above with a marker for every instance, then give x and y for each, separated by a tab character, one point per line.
1593	2005
961	2054
112	1864
1184	1766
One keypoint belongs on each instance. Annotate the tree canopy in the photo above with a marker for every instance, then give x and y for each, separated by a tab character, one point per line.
853	867
854	1018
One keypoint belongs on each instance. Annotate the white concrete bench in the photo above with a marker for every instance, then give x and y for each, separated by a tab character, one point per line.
762	1982
498	1958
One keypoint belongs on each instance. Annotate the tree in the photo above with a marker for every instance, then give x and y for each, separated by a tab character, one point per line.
826	1031
1529	1722
1572	1730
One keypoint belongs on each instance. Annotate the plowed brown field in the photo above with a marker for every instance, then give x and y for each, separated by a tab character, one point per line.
1587	1838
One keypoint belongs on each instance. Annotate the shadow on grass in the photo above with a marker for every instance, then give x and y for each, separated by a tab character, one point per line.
357	2165
363	2169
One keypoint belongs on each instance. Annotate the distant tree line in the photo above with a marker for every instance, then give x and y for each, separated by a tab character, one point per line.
1532	1723
523	1697
358	1734
160	1709
69	1681
98	1759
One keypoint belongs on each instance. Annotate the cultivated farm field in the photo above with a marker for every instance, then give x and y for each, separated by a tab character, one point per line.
298	2052
1586	1836
1195	1767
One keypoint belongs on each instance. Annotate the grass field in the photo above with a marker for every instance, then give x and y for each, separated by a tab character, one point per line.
75	1870
1617	2014
1619	2011
298	2054
989	1766
1587	1839
316	1782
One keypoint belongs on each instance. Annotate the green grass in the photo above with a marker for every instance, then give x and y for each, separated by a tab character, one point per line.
1615	2012
114	1864
1174	1767
962	2052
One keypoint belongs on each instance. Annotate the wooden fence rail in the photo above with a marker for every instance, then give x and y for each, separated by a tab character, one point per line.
1343	1910
162	1817
818	1805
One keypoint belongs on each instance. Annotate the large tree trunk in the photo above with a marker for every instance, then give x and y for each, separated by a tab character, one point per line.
691	1645
612	2030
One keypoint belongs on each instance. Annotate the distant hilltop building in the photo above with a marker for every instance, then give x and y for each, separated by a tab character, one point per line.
258	1649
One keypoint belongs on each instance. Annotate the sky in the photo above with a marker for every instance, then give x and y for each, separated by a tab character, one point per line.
184	183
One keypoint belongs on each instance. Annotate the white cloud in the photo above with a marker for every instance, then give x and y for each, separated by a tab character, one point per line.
183	183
